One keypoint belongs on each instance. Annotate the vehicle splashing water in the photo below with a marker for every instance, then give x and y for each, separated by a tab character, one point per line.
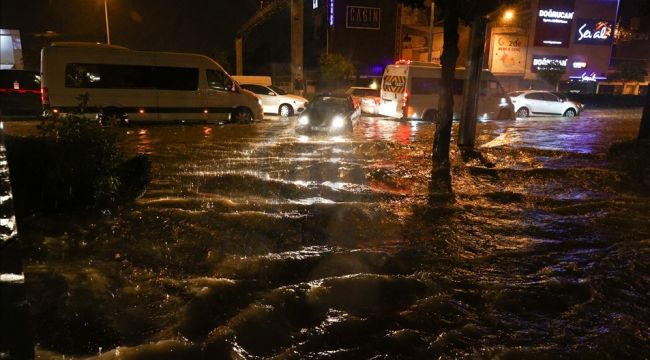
255	242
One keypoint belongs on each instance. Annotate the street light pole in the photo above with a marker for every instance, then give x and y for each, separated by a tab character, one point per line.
430	39
108	31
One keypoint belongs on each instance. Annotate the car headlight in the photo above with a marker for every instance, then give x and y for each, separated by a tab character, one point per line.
303	120
338	122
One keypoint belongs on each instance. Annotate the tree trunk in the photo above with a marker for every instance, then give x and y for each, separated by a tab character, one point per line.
440	174
644	130
472	86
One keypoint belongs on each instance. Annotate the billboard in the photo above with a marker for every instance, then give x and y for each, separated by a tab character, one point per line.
508	53
361	17
594	32
544	61
553	23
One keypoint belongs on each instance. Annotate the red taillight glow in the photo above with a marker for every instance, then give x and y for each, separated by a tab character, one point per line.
45	97
405	105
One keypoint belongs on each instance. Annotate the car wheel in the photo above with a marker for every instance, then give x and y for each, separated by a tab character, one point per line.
242	116
430	116
570	113
523	112
506	114
285	110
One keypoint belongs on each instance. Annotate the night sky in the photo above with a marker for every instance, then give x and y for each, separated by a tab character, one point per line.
198	26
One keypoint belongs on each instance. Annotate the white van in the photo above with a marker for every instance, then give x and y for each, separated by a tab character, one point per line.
410	90
126	85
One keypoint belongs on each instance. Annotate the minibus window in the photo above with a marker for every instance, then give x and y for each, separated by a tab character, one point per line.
111	76
218	80
424	86
173	78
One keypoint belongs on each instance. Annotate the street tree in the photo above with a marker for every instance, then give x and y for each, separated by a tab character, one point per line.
335	68
643	8
551	74
452	13
629	71
223	58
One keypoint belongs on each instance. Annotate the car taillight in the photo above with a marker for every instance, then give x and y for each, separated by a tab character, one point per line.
45	97
405	106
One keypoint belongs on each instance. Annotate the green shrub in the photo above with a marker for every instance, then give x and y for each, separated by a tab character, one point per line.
74	163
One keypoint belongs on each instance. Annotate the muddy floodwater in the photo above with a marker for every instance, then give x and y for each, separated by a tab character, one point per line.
252	242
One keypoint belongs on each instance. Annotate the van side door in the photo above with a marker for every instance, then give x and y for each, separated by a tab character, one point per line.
179	96
220	95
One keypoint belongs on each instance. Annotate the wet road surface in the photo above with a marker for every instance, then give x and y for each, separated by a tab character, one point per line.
254	242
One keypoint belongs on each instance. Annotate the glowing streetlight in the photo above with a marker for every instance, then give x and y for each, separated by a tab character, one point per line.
508	15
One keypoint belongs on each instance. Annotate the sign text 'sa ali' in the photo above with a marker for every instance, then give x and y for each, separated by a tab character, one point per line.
361	17
594	32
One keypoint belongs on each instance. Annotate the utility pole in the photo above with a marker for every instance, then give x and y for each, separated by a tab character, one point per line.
108	31
297	12
430	39
239	55
271	8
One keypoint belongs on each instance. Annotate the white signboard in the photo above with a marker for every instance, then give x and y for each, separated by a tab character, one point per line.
508	54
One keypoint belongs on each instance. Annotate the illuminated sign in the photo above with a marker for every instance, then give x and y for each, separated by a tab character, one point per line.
314	4
552	16
331	13
541	62
361	17
553	24
508	54
579	64
588	77
594	32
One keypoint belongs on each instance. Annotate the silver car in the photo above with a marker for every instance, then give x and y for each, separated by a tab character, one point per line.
543	103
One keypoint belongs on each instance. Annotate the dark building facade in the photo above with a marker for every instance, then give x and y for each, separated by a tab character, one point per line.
631	45
363	31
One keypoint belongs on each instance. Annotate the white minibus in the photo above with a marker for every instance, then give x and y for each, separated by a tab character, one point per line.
410	90
127	85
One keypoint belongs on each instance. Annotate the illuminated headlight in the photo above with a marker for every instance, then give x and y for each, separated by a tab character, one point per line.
503	102
338	122
303	120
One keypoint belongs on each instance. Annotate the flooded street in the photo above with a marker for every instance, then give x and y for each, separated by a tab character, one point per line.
254	242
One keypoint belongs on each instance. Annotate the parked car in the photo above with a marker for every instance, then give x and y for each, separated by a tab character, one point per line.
537	102
365	98
276	100
331	114
20	93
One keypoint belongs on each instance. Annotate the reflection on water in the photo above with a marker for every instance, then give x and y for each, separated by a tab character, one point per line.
8	230
16	340
264	243
144	142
